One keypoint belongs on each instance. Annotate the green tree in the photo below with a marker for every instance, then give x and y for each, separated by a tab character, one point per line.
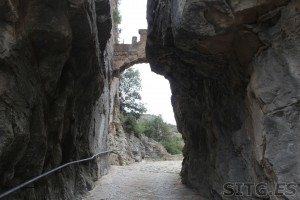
117	18
174	144
131	124
162	132
130	98
157	129
131	106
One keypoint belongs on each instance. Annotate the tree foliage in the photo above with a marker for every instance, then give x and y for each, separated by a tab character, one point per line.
130	97
117	18
131	124
157	129
174	144
132	108
161	131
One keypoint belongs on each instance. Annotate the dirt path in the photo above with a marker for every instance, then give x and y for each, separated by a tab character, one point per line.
145	180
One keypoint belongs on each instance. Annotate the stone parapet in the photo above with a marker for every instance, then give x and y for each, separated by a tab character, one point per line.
126	55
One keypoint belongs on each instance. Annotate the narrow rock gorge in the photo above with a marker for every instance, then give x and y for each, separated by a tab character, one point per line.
233	67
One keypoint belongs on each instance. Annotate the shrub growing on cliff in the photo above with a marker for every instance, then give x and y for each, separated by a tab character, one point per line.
117	18
131	124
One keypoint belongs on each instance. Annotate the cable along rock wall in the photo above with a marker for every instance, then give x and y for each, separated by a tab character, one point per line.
233	68
55	75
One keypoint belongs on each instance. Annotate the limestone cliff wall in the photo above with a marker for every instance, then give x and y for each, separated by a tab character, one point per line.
233	67
55	76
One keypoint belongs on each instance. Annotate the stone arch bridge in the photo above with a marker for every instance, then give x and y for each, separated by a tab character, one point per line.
127	55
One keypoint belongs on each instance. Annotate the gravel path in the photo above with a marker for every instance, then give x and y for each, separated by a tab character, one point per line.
141	181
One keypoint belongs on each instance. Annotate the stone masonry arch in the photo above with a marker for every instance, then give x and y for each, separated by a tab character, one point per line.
127	55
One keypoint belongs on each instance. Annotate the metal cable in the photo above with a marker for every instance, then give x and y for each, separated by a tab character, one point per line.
50	172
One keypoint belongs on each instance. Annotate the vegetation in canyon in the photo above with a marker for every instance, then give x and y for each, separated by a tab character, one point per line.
133	120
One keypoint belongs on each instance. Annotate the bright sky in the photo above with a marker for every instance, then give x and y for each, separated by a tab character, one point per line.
156	93
133	14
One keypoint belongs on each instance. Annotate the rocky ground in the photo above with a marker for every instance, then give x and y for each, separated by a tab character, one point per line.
144	180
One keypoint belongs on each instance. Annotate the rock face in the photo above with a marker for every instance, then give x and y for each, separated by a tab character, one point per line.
233	67
55	76
130	148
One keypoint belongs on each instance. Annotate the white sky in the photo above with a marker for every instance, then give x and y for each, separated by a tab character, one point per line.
133	14
156	93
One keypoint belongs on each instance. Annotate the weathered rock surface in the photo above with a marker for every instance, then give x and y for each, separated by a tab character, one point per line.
130	148
55	76
233	67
